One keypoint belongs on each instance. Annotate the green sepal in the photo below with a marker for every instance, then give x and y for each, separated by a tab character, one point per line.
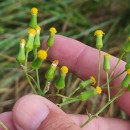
50	73
86	83
87	94
60	82
33	21
99	42
127	66
129	87
36	63
127	46
21	55
50	40
29	44
106	64
36	43
126	81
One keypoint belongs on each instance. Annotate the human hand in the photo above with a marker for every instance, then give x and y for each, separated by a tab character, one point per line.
33	112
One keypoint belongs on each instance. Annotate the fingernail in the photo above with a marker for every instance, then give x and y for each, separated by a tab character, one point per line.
29	112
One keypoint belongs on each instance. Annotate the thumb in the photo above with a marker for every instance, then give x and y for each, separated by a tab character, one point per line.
33	112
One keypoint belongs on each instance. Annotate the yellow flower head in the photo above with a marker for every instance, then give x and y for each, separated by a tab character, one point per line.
129	38
107	55
64	69
38	28
22	41
34	11
98	32
98	90
53	30
93	80
42	54
128	71
55	62
32	31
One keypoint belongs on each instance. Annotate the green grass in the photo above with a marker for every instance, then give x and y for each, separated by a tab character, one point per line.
77	19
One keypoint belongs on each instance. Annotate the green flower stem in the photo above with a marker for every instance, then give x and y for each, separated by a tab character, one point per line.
119	93
74	91
26	61
35	53
33	80
59	95
45	88
68	101
47	49
30	83
113	70
38	82
108	87
99	67
4	126
103	86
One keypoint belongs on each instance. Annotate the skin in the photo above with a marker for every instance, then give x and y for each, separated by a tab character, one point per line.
33	112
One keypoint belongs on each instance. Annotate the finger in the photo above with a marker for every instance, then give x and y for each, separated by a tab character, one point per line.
6	118
37	113
101	123
34	112
82	60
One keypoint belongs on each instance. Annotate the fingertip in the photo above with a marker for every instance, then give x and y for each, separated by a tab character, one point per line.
29	112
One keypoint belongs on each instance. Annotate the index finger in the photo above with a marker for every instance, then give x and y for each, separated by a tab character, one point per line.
83	61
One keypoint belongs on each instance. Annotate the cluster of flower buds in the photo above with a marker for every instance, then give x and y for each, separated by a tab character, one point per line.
33	44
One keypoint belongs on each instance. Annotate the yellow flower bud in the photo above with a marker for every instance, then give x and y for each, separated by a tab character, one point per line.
99	34
32	31
34	11
64	69
53	30
128	71
42	54
93	80
38	28
22	41
98	90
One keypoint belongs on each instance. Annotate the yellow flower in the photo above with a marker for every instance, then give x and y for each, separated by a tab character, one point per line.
128	71
129	38
98	32
34	10
38	28
52	30
64	69
93	80
42	54
22	41
98	90
107	55
32	31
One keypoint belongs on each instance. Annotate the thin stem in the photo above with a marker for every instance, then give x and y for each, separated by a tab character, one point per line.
26	61
46	86
74	91
47	49
3	125
113	78
108	87
113	70
68	101
61	96
38	82
119	93
30	83
33	80
99	67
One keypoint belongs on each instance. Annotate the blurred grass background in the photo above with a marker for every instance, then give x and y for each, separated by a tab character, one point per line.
77	19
